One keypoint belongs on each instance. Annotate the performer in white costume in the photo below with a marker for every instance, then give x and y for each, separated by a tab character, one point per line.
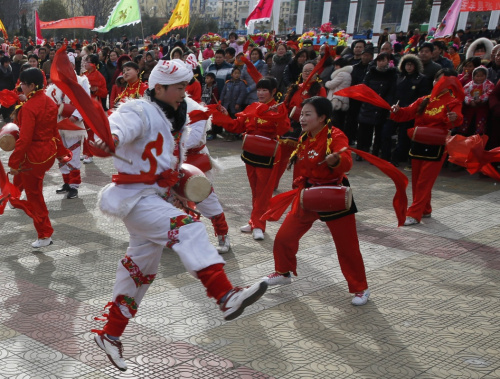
72	134
143	131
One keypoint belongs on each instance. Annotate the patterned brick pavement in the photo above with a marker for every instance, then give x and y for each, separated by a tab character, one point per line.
434	310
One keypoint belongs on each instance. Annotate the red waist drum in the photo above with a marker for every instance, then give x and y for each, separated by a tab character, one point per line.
66	110
202	161
193	185
428	135
326	198
9	134
260	145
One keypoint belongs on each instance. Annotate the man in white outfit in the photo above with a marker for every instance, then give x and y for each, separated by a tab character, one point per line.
143	130
72	134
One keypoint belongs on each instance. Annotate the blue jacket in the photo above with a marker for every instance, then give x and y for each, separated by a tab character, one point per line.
234	92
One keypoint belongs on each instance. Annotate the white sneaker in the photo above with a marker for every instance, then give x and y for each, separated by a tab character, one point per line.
258	234
361	298
88	160
224	244
113	349
276	279
239	298
410	221
246	229
42	242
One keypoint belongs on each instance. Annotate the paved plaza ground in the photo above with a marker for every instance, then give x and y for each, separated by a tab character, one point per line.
434	311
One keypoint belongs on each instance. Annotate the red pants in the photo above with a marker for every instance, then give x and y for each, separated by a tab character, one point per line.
262	191
423	177
344	235
31	181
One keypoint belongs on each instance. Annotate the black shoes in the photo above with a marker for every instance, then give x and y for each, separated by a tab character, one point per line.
72	193
65	188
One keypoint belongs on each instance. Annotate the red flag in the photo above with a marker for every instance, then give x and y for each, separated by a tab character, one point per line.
364	93
261	12
38	30
254	73
94	116
81	22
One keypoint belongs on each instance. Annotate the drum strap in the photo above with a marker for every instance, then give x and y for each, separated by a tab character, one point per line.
166	179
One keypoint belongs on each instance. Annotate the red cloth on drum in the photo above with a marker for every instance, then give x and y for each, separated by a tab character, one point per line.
345	237
215	280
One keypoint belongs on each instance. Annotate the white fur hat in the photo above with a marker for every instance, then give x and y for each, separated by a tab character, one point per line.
170	72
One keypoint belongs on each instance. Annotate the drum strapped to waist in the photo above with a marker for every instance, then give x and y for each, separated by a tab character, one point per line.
202	161
326	198
66	110
8	136
428	135
260	145
193	185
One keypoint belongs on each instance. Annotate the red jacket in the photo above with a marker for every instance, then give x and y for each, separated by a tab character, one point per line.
96	79
435	114
37	120
312	151
257	119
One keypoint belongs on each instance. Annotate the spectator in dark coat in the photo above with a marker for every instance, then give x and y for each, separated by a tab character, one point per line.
234	93
411	85
381	79
430	67
358	74
280	60
257	58
293	70
6	82
494	69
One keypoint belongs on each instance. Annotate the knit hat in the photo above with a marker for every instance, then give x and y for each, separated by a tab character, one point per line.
480	68
170	72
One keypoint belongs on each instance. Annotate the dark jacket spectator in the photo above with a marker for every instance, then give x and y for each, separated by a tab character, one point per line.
279	64
6	77
234	93
262	67
222	72
294	68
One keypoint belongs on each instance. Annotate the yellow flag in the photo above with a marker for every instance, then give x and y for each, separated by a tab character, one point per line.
179	18
3	30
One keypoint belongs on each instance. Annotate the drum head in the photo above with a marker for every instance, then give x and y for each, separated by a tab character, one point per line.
197	188
7	142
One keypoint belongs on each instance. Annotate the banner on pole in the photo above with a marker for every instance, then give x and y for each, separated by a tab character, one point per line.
179	18
125	12
261	12
4	31
447	26
83	22
480	5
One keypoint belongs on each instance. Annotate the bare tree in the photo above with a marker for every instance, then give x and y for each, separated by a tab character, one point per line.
100	8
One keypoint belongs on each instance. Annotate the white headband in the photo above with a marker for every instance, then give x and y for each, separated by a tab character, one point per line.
169	72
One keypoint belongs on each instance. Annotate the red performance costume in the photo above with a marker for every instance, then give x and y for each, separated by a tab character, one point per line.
310	172
258	119
427	159
131	91
35	153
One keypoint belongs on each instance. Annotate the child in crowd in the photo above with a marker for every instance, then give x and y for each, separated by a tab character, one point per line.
233	97
475	108
209	93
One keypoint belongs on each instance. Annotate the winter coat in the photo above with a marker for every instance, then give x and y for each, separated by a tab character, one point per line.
384	84
278	68
341	79
6	78
291	73
410	87
262	67
234	92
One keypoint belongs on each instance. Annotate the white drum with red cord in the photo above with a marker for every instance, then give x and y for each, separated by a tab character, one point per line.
8	136
193	185
326	198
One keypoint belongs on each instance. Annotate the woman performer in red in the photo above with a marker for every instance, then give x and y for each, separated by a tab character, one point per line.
321	159
135	86
293	101
438	112
98	91
264	119
36	149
